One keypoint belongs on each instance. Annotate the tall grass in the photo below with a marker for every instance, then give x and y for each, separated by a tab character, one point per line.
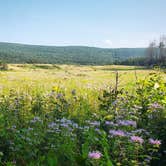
70	116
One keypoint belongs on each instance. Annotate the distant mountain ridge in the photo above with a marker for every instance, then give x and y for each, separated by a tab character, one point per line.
22	53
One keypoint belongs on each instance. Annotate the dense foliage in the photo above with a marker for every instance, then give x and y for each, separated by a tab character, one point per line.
65	129
3	66
18	53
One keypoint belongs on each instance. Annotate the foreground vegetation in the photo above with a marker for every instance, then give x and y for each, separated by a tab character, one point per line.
76	115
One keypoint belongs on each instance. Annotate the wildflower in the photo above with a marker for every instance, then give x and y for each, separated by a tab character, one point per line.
94	155
109	123
127	123
155	106
64	120
36	119
64	125
154	142
117	133
55	88
52	125
137	139
156	85
98	130
75	125
59	96
140	131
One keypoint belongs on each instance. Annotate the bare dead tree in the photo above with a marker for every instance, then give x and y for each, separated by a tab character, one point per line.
151	53
162	49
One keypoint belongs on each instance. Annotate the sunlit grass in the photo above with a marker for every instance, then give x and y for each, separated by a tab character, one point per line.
68	77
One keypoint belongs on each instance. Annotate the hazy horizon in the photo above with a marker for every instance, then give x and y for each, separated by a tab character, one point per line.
47	45
104	24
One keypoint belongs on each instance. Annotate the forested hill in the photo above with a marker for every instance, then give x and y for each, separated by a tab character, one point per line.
21	53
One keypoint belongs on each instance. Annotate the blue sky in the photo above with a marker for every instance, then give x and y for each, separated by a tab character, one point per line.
101	23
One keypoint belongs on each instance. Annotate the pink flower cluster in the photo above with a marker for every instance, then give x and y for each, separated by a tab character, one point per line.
137	139
94	155
117	133
154	142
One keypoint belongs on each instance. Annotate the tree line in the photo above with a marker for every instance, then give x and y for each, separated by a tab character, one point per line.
155	54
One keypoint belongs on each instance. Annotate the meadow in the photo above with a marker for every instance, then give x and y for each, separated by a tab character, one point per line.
45	77
82	115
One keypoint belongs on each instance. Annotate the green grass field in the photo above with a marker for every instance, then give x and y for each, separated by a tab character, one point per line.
86	80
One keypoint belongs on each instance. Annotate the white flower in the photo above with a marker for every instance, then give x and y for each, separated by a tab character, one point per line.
156	85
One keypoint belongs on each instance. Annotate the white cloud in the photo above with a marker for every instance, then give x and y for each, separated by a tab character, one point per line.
108	42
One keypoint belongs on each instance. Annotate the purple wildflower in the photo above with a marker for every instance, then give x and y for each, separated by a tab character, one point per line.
36	119
109	123
155	106
52	125
98	130
117	133
127	123
94	155
59	96
154	142
137	139
64	125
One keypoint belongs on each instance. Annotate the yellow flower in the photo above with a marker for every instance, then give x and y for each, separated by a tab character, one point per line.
55	88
